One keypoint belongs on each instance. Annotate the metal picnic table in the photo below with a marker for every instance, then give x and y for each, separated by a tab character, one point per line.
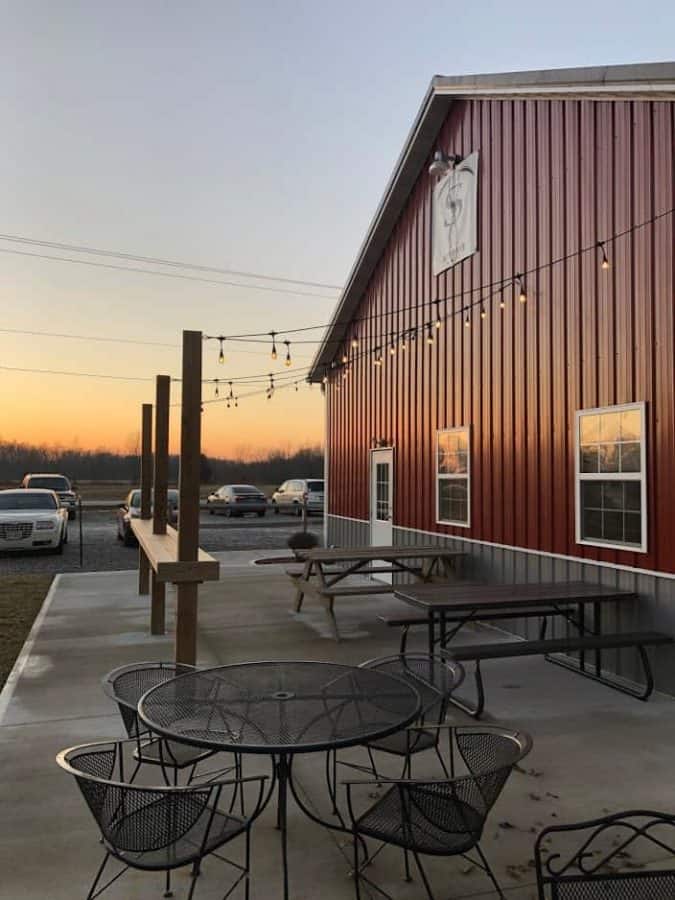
465	602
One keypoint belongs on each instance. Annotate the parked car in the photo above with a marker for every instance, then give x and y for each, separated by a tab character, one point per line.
237	499
131	509
57	483
293	493
32	520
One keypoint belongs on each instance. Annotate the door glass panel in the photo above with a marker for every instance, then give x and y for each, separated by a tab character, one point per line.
382	492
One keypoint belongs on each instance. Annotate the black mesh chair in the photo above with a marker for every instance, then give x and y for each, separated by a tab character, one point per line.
434	678
126	685
625	856
159	828
442	817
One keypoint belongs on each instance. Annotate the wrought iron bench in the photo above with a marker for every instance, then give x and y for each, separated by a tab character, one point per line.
597	859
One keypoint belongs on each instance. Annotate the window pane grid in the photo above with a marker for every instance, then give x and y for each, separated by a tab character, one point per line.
610	453
452	476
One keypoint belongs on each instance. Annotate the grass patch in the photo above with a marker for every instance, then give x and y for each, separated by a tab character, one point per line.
21	597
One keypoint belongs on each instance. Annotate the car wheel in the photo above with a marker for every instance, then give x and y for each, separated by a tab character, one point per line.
59	547
128	538
228	512
275	507
297	510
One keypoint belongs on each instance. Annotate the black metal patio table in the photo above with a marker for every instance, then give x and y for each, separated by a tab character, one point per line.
280	708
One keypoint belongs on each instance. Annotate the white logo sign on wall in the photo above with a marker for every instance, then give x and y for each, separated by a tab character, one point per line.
454	215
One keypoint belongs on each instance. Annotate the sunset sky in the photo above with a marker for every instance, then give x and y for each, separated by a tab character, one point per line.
256	137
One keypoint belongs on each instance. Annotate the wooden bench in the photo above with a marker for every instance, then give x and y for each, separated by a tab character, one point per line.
161	551
581	643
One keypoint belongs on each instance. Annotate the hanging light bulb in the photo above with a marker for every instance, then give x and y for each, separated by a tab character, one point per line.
522	296
345	373
228	404
502	305
221	355
430	334
231	394
482	312
236	401
217	392
296	385
605	262
355	342
273	335
467	322
288	362
403	344
438	318
392	347
345	358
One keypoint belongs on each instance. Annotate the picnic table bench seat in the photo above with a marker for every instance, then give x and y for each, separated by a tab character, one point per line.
570	643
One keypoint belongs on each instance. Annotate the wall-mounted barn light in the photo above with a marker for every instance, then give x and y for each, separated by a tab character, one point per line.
442	163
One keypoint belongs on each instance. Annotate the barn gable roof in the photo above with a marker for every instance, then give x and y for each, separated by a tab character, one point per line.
640	81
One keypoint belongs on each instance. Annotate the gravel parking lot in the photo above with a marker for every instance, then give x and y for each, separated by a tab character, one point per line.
103	552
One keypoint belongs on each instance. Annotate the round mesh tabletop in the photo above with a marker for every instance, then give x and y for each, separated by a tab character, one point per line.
280	707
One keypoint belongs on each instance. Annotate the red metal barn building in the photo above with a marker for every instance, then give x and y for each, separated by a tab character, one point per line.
499	371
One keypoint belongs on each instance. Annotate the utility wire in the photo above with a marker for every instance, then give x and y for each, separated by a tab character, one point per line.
156	260
102	265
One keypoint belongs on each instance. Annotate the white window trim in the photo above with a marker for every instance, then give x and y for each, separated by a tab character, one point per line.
438	476
640	476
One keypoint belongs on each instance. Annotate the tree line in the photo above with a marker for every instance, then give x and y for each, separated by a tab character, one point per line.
99	465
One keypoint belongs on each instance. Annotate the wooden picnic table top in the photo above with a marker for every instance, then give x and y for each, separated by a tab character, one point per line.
466	596
344	554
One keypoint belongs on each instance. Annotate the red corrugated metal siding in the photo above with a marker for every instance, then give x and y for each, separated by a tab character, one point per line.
554	176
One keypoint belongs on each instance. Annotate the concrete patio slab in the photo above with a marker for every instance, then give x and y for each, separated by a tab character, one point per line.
595	750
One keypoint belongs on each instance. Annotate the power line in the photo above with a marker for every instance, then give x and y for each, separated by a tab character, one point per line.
157	260
176	275
75	374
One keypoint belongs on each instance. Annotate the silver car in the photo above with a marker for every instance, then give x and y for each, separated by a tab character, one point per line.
131	509
237	499
295	493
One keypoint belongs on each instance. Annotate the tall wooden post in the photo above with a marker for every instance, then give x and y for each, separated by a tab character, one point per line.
146	488
163	390
188	532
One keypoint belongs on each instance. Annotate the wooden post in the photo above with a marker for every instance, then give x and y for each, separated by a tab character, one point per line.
146	488
161	453
188	532
163	389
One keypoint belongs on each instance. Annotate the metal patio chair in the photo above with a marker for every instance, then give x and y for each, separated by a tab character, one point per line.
159	828
443	817
434	678
125	686
596	859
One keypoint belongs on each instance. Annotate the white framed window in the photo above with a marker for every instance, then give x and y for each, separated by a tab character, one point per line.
611	477
453	476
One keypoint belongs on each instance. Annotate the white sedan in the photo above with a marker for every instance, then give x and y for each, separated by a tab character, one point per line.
32	520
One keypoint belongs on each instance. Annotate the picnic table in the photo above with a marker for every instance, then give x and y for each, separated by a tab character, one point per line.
457	605
324	571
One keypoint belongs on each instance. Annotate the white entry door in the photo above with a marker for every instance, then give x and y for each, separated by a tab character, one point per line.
381	497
